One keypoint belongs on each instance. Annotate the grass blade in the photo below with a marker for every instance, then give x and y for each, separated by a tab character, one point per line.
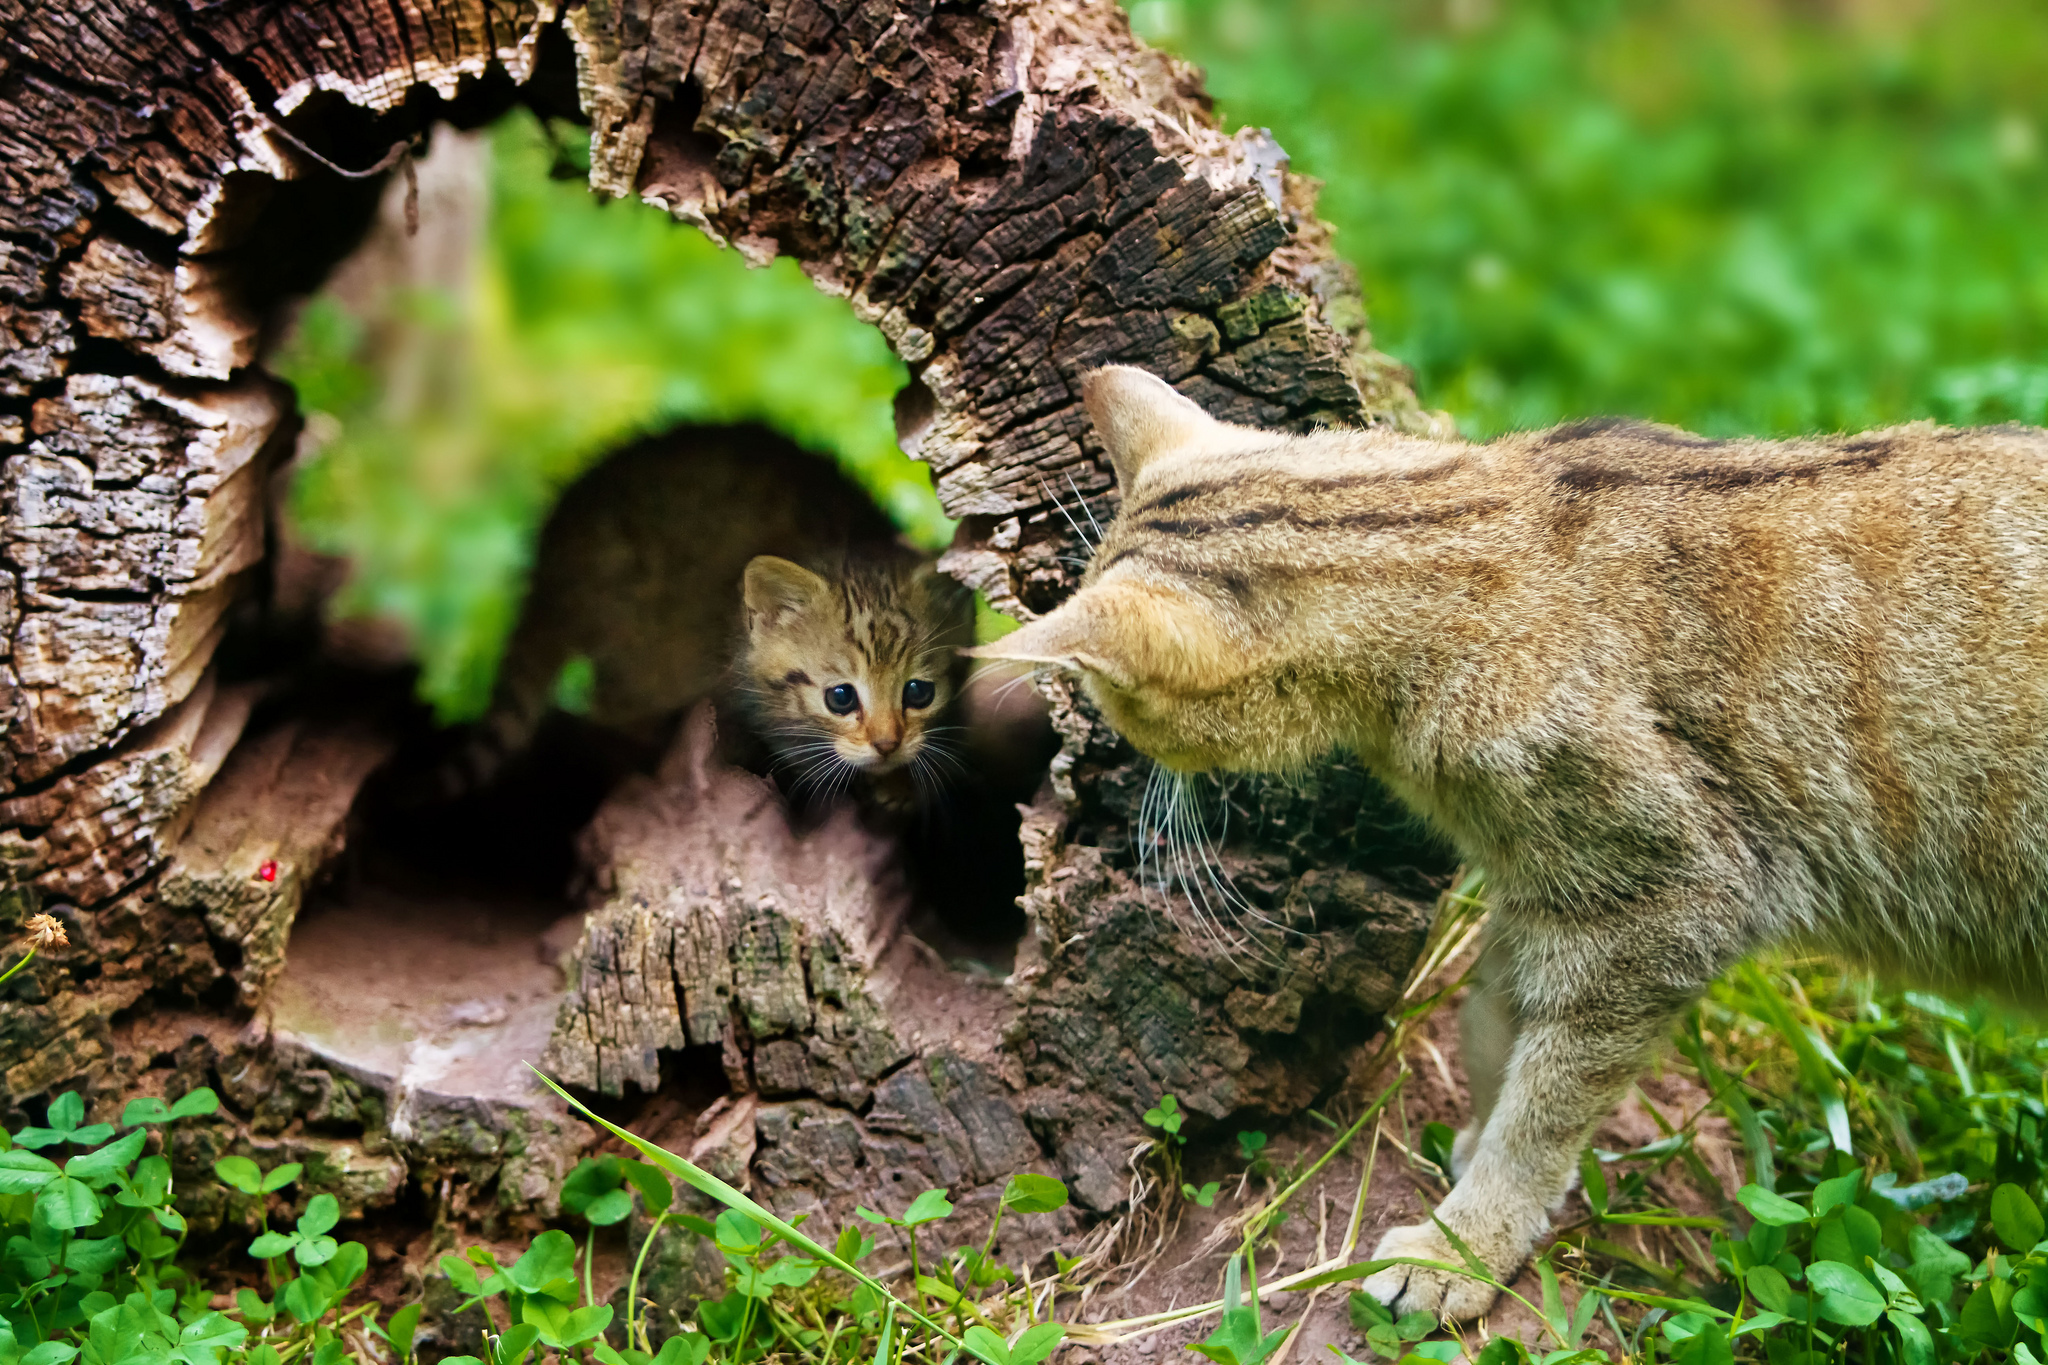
702	1180
1819	1068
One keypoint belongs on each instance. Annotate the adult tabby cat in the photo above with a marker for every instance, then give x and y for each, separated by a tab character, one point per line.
1680	698
726	560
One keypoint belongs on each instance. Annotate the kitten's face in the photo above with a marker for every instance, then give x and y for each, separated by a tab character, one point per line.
854	674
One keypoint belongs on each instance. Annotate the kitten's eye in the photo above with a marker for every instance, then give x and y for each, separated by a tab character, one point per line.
841	699
917	694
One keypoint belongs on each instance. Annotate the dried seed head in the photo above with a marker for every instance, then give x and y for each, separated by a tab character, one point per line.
47	930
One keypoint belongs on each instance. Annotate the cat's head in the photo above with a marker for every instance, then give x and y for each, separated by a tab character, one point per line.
1173	632
854	669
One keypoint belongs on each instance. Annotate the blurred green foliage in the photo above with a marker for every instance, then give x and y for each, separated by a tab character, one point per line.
1732	215
587	324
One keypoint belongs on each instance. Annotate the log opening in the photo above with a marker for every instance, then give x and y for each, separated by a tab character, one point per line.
1012	194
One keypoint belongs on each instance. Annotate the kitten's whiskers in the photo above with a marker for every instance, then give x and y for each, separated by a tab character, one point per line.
936	754
819	767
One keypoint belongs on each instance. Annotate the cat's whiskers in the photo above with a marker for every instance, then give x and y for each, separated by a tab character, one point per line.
820	767
1198	880
1082	498
1053	499
1174	849
1141	829
807	734
1211	854
928	785
807	738
1157	814
1191	885
1031	674
813	778
937	753
1152	839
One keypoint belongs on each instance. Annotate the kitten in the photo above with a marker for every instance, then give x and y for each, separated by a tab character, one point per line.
640	571
1680	698
852	675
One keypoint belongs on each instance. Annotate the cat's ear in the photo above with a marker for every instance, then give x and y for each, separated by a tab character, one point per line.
948	606
1135	636
775	589
937	583
1139	416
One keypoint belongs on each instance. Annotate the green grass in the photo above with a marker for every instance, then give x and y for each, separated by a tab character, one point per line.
1893	1149
1736	216
96	1270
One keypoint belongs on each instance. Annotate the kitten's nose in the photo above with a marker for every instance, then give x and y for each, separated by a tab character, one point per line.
885	735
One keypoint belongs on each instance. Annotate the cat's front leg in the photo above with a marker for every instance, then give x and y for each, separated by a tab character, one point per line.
1587	1009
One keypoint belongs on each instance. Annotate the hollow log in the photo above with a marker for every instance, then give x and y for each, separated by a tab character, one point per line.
1013	194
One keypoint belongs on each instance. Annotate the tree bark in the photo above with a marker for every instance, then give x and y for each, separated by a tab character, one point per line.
1013	193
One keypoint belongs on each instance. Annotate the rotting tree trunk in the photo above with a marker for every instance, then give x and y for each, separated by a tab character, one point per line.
1012	193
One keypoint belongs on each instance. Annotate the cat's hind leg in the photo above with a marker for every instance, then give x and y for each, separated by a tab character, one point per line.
1486	1035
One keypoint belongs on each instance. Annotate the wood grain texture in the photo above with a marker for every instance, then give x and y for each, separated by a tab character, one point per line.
717	925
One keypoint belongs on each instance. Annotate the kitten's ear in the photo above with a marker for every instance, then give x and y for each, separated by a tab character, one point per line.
775	588
1139	416
938	583
957	595
1135	636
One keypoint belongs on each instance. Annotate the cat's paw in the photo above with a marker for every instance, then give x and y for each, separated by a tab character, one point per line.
893	794
894	802
1418	1289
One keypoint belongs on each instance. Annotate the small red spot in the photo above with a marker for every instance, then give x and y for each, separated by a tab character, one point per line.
267	872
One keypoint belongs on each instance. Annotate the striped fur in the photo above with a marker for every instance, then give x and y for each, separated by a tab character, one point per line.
1681	698
877	623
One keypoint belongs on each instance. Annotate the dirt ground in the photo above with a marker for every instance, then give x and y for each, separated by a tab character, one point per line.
1189	1266
441	1028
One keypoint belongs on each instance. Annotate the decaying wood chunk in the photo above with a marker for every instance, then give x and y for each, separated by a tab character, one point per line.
53	1035
720	925
88	846
87	836
865	1063
185	316
127	519
35	348
267	827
